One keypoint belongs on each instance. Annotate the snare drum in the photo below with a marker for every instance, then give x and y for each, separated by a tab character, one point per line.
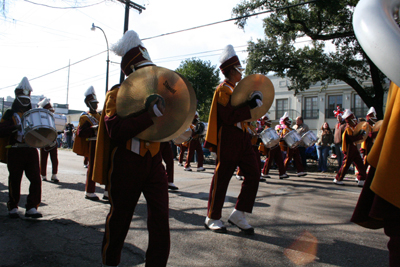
183	138
201	128
39	127
292	139
269	137
309	138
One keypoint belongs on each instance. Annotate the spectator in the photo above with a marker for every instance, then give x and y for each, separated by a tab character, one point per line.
69	127
301	128
325	139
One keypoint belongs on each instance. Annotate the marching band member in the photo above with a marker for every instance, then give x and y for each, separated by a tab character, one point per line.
350	151
85	140
379	202
195	146
337	135
45	151
20	158
228	137
273	153
182	149
130	166
291	153
367	144
168	157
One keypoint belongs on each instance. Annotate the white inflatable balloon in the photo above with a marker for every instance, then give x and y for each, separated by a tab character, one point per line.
379	35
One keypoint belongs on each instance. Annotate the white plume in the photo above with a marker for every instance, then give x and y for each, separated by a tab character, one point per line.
90	91
44	102
24	85
127	42
228	52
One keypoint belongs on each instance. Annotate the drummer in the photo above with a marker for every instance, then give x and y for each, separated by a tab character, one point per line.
273	154
350	151
85	140
45	151
227	135
20	158
301	128
130	165
291	153
195	146
367	144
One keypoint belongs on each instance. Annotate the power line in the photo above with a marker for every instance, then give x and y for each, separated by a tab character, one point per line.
63	7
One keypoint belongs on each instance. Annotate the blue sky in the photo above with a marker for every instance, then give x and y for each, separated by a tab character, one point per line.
36	40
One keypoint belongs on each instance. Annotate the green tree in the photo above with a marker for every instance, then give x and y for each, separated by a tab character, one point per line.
204	78
321	21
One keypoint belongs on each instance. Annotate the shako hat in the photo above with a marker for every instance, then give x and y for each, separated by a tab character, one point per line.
45	103
132	51
23	89
347	115
229	60
90	95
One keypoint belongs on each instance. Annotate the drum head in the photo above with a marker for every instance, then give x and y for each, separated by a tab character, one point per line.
40	137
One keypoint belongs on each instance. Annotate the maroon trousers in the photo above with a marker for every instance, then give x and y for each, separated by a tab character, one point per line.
234	149
44	152
182	150
257	152
274	153
194	145
293	153
131	175
20	160
90	186
168	157
352	156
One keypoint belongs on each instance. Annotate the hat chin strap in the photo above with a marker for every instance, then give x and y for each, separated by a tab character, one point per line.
24	105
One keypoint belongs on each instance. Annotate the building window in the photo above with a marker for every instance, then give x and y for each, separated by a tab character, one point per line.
360	109
282	83
310	110
281	107
333	102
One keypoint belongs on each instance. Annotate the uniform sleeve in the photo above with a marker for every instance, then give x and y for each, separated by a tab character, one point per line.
123	129
6	127
227	114
84	128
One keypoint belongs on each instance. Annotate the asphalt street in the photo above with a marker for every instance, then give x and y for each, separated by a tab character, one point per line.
298	221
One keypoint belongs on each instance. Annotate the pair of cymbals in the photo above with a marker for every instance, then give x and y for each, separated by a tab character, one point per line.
254	84
362	126
377	126
176	93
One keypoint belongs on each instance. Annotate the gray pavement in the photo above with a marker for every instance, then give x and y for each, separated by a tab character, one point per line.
297	221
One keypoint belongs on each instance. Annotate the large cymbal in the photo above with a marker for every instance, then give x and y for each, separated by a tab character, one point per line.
250	84
178	95
377	126
361	126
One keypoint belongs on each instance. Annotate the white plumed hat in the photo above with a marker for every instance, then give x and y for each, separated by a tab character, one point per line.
90	95
45	101
347	113
371	111
229	59
25	86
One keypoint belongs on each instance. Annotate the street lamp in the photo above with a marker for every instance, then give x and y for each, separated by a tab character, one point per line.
108	54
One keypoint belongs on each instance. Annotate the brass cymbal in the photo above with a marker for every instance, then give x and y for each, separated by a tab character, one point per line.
362	126
377	126
176	92
252	84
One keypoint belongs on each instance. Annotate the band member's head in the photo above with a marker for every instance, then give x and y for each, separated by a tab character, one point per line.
285	120
196	118
349	117
371	116
134	54
22	96
45	103
230	64
91	99
267	121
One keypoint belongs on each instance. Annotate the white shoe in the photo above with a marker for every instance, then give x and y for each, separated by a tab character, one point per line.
238	218
360	183
201	169
91	196
105	195
215	225
338	182
265	176
44	178
180	164
85	166
33	213
301	174
188	169
54	178
239	177
172	186
283	176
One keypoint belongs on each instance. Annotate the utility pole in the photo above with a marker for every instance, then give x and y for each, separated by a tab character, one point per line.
129	4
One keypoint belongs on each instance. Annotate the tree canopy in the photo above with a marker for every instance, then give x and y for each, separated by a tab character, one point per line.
204	78
321	22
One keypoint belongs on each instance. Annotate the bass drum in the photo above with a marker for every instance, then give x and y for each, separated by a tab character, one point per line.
183	138
309	138
292	139
39	128
269	137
